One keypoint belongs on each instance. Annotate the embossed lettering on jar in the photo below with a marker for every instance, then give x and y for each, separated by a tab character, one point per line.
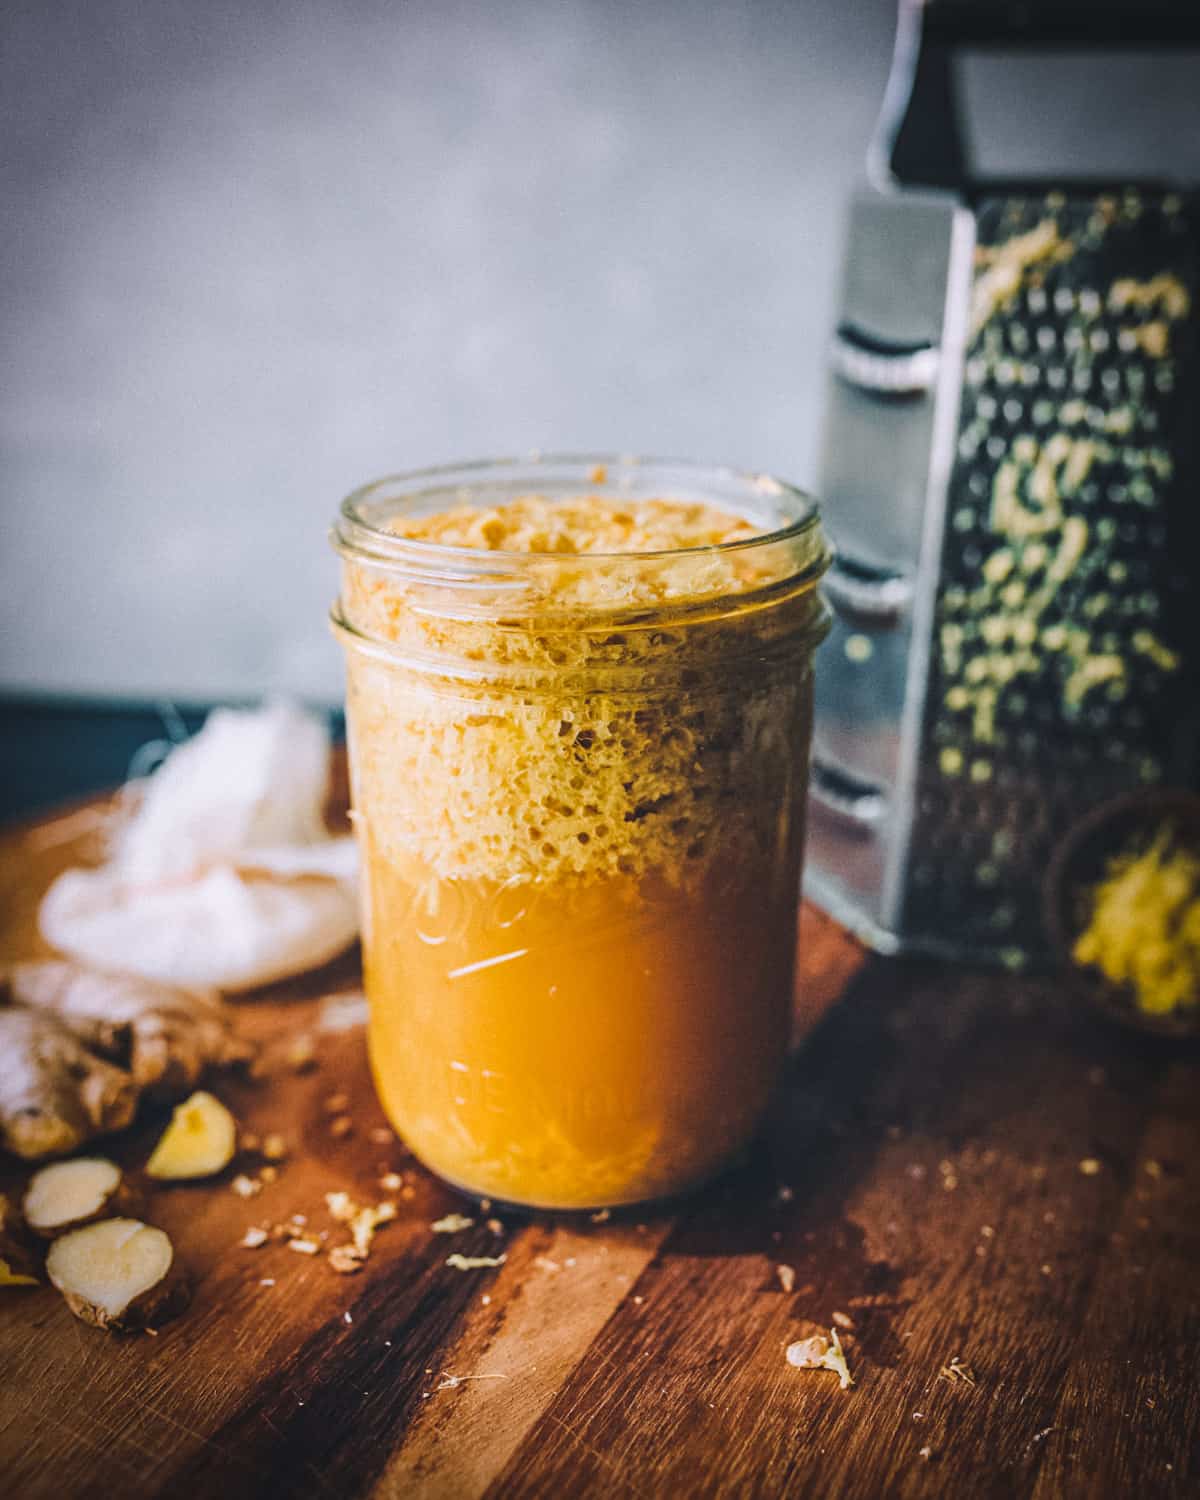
579	705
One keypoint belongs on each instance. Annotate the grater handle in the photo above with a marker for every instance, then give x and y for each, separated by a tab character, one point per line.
849	797
882	367
861	591
919	136
1038	24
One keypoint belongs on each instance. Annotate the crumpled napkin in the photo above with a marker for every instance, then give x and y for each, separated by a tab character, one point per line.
225	877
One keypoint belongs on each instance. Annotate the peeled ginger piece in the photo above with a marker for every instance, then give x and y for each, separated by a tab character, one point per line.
199	1141
118	1274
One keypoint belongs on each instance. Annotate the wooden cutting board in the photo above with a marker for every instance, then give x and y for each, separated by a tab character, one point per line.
920	1176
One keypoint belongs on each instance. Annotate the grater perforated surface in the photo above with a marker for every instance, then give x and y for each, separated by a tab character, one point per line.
1063	659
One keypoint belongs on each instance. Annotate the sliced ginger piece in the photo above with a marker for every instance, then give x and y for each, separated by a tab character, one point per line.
69	1194
118	1274
11	1277
16	1260
199	1142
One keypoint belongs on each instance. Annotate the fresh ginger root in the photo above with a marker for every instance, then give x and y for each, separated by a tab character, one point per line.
199	1142
54	1093
79	1047
68	1194
16	1260
166	1038
118	1274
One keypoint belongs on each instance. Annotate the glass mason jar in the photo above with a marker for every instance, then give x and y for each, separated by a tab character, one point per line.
578	784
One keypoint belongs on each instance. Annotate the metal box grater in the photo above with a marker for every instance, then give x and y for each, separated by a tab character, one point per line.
1010	473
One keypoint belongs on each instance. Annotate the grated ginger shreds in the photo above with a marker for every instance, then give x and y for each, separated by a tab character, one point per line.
821	1353
1145	925
451	1224
588	524
362	1221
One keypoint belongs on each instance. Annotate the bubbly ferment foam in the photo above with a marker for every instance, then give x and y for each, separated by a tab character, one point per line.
546	781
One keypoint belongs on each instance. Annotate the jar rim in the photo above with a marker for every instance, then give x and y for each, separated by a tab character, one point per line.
357	535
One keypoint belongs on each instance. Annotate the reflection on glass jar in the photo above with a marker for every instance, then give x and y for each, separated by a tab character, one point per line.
579	753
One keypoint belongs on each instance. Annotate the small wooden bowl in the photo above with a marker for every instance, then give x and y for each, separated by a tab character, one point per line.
1079	864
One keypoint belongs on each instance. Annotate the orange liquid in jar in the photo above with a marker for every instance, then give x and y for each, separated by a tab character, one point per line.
579	900
574	1045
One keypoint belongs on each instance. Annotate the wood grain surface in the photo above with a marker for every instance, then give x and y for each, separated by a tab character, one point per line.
920	1176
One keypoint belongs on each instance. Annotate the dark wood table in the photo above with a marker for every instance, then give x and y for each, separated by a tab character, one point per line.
996	1198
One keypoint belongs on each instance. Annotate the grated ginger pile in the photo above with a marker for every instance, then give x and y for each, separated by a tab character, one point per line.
1144	929
588	525
580	550
615	719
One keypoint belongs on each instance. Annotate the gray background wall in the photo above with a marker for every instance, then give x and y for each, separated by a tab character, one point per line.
254	253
